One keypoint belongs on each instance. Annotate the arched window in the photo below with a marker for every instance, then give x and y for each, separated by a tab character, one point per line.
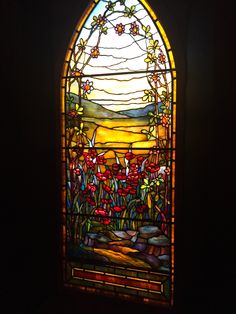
118	100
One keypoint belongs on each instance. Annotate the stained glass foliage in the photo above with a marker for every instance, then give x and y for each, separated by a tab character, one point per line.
118	154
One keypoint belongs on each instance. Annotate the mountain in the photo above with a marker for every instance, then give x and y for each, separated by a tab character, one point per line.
94	110
140	112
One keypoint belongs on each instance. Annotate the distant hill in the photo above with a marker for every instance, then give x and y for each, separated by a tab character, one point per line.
94	110
140	112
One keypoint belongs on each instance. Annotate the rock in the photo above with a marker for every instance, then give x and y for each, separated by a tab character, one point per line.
165	260
122	234
102	238
149	231
141	240
140	246
111	235
161	240
90	239
134	238
131	233
164	269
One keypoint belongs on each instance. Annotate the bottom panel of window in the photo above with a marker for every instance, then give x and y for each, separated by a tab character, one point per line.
122	282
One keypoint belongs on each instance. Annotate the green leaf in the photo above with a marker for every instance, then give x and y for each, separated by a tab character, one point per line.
104	30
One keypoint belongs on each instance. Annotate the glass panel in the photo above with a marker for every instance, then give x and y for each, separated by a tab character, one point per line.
118	118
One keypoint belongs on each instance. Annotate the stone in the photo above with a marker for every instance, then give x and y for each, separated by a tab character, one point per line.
111	235
140	246
165	260
141	240
122	234
131	233
149	231
161	240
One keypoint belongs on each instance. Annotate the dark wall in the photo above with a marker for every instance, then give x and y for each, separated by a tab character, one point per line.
35	35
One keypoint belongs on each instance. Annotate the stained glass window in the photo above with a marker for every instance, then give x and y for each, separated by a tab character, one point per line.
118	99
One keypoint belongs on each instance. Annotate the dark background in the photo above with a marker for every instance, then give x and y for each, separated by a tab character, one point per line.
34	39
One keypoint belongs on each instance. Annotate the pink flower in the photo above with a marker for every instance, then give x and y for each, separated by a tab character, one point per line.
120	29
134	29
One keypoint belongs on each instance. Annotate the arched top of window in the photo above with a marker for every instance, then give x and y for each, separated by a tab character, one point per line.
118	153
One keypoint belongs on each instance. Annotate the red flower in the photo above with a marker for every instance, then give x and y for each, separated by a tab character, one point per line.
115	167
106	221
107	174
92	187
123	191
77	171
132	191
101	160
92	152
153	167
140	160
133	167
100	176
105	201
130	156
107	188
91	201
120	176
101	211
118	209
140	209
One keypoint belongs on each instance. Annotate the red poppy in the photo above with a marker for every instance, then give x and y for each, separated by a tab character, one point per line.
130	156
120	176
100	176
91	201
106	221
140	160
101	160
132	191
92	187
115	167
77	171
101	211
133	167
107	174
153	167
105	201
107	188
140	209
118	209
92	152
123	191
